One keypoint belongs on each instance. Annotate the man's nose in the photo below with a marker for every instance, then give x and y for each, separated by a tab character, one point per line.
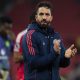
44	17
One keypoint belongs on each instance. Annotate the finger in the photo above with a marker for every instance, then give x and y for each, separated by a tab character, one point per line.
72	46
59	40
75	50
73	54
56	41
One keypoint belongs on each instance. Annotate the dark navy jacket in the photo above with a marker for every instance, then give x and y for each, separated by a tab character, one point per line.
40	60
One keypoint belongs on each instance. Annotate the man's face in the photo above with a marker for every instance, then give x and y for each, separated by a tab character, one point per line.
6	27
43	16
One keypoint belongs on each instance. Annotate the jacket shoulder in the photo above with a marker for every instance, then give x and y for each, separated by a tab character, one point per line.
19	36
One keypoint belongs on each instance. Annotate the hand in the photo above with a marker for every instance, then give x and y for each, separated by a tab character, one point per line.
71	51
18	57
56	46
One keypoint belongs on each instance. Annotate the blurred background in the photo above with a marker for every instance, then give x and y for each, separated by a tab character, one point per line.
66	20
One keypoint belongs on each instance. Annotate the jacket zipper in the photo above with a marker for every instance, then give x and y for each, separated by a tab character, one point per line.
48	42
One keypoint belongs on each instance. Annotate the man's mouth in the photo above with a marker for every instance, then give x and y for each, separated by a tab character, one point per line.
44	22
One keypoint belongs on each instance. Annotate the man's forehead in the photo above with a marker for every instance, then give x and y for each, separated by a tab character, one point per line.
44	9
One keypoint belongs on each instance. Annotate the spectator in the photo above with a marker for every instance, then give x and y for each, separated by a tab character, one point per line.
18	58
6	46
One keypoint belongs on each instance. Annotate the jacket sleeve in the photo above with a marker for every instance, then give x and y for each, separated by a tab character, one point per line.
64	62
31	53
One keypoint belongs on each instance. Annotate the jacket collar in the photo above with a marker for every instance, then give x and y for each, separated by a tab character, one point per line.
36	26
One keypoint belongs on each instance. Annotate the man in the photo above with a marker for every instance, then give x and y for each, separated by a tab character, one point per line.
6	46
18	58
43	49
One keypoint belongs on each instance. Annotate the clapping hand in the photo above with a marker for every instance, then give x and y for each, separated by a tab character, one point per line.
71	51
56	46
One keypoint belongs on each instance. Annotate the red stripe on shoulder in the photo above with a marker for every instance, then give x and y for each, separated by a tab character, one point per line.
29	42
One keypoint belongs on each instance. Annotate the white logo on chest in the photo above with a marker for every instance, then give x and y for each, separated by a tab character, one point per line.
43	43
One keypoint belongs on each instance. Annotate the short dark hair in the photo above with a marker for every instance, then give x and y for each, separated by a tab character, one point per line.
5	19
44	4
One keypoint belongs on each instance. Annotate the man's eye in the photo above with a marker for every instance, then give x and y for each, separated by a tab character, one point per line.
47	14
41	14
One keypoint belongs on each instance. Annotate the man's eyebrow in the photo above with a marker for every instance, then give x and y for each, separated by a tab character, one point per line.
41	13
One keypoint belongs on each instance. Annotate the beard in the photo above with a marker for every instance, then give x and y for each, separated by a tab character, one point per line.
44	23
